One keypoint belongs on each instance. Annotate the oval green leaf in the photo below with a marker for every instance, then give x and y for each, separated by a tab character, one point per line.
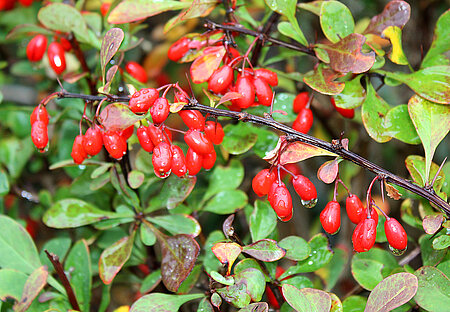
307	299
336	20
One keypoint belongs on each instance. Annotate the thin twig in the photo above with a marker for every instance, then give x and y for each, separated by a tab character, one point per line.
266	31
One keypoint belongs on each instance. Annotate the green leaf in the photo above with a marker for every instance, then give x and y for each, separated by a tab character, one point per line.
71	212
263	221
352	96
395	13
15	154
306	299
177	224
78	263
267	140
430	256
354	304
336	20
388	261
238	138
190	281
210	261
174	191
434	289
296	248
157	302
135	178
333	270
118	116
33	285
367	272
265	250
416	167
227	202
287	29
399	125
25	30
432	122
147	236
114	257
226	280
110	45
322	80
11	284
205	306
256	307
4	183
249	263
298	281
150	281
440	44
397	55
225	178
441	242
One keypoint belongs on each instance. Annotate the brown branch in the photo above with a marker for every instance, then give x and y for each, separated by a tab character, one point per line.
80	56
54	259
266	31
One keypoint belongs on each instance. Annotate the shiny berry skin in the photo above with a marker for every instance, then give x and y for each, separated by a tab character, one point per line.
181	97
221	79
178	49
144	138
364	235
263	181
178	161
345	112
36	48
160	110
214	132
93	141
198	142
104	8
330	217
244	86
115	144
304	121
263	91
162	159
142	100
193	119
39	134
304	188
157	135
293	168
78	153
269	76
300	102
355	209
209	160
373	215
280	200
136	71
194	162
127	132
67	46
395	234
56	57
39	113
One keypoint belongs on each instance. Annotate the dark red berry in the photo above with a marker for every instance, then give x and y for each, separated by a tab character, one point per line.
209	160
193	119
300	102
263	181
143	135
36	48
214	132
56	57
39	134
78	153
395	234
160	110
364	235
355	209
115	144
136	71
304	188
198	142
263	91
127	132
93	141
345	112
39	113
178	49
244	86
142	100
194	162
269	76
304	121
281	201
330	217
221	79
162	159
178	161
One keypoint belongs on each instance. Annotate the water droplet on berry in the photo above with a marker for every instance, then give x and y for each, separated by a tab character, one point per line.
397	252
309	203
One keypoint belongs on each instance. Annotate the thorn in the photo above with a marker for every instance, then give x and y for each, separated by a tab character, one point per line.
438	171
382	181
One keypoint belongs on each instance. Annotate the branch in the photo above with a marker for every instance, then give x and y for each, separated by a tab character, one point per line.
80	56
268	121
274	17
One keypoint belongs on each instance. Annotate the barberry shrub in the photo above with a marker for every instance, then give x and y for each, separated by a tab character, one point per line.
215	156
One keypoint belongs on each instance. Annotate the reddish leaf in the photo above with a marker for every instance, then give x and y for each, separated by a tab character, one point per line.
109	77
432	223
204	66
74	77
346	56
118	116
227	253
227	226
176	107
266	250
306	299
228	97
34	284
395	13
110	45
198	8
392	192
322	80
256	307
328	171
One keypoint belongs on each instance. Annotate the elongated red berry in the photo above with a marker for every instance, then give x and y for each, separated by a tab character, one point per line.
280	200
39	113
36	48
160	110
221	79
26	3
162	159
304	188
127	132
269	76
78	153
56	57
104	8
244	86
304	121
142	100
93	141
330	217
263	91
373	215
193	119
395	234
355	209
263	181
198	142
136	71
157	135
181	97
39	134
214	132
178	161
300	102
178	49
194	162
67	46
364	235
345	112
115	144
144	138
209	160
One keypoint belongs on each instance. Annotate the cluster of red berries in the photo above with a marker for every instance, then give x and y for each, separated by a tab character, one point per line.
6	5
268	182
39	122
304	119
55	52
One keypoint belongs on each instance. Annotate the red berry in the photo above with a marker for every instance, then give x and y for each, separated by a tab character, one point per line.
293	168
231	54
26	3
115	144
162	159
244	86
214	132
263	181
157	135
36	48
281	201
142	100
221	79
39	113
300	102
345	112
143	135
373	215
93	141
181	97
127	132
178	49
39	134
160	110
395	234
269	76
198	142
330	217
193	119
304	188
209	160
270	296
178	161
263	91
67	46
364	235
304	121
78	153
56	57
136	71
194	162
104	8
355	209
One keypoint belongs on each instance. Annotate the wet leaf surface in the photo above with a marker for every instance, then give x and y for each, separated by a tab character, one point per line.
157	302
322	79
307	299
440	44
263	220
336	20
352	96
327	173
110	45
395	13
432	223
394	34
33	285
204	66
118	116
374	109
433	291
296	248
266	250
227	253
